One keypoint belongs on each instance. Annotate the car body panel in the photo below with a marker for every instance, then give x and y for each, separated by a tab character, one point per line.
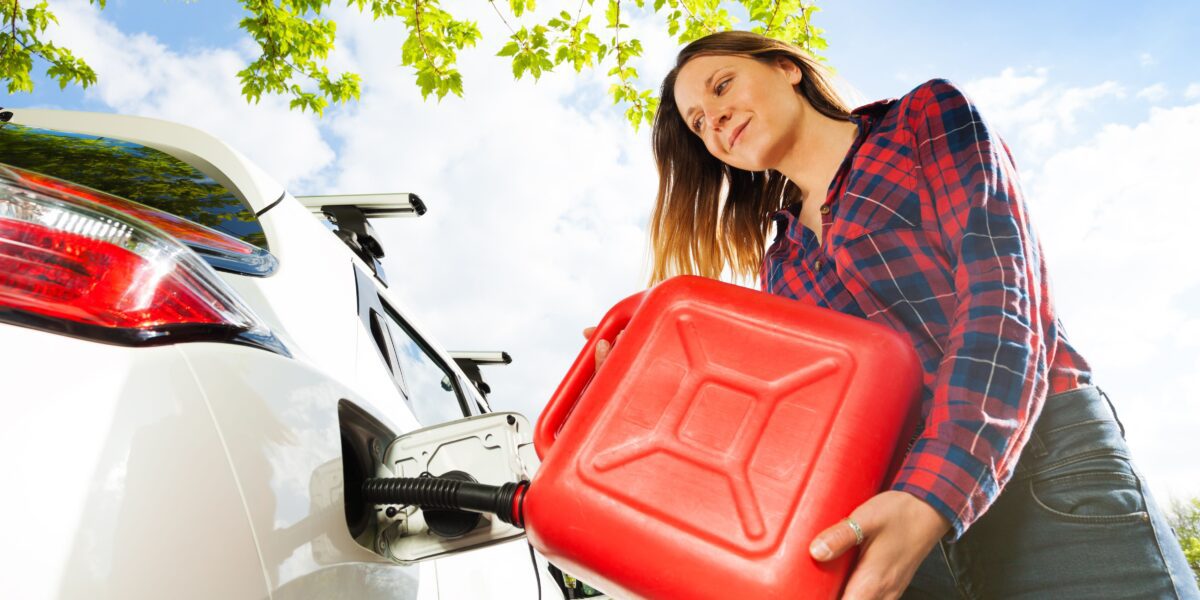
233	451
284	444
115	475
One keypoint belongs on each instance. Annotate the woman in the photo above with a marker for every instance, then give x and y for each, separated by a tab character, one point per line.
908	212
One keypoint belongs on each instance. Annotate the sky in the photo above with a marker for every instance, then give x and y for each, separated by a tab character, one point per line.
539	193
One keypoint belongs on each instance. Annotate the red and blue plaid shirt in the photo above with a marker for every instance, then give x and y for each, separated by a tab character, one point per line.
925	229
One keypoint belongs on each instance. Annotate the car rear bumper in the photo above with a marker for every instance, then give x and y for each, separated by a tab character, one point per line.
197	470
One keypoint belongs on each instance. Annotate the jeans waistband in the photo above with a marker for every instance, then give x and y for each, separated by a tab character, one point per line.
1073	425
1087	403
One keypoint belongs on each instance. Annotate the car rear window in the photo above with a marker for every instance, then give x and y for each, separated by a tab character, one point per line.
132	171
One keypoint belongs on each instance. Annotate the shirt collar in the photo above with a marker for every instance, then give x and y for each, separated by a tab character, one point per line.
866	117
875	109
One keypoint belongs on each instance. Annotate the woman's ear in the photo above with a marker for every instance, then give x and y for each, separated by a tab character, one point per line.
790	69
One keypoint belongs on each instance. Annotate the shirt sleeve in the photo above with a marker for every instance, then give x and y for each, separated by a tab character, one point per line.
991	382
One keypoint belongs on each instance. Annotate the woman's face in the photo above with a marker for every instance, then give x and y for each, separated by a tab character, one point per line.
746	111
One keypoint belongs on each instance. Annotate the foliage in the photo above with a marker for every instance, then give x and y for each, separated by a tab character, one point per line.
22	37
1184	517
132	171
295	41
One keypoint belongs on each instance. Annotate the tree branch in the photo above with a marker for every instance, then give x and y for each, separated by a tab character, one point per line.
774	14
807	27
501	15
421	37
692	16
524	44
637	100
16	8
617	36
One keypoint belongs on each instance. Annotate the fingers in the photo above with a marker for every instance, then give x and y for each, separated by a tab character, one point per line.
603	347
834	541
602	350
883	570
900	530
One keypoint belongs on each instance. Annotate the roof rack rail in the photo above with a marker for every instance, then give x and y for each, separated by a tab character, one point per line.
482	358
373	205
470	362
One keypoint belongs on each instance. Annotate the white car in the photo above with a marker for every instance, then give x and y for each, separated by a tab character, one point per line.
199	370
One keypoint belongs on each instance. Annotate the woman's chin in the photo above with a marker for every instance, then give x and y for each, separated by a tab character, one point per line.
750	157
745	164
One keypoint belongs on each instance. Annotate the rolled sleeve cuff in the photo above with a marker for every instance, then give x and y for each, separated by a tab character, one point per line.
951	480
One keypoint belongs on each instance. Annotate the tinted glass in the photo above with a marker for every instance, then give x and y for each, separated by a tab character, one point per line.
132	171
430	387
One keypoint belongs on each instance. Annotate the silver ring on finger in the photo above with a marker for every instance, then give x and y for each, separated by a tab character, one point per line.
858	534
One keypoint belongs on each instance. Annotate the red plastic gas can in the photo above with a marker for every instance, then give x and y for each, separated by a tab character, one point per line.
725	430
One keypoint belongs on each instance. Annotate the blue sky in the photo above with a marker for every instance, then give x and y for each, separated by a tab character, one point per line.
539	193
884	48
1084	40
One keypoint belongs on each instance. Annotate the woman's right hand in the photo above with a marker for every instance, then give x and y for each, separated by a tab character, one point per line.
602	347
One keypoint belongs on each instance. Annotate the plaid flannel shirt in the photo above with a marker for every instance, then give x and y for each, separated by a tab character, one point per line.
925	229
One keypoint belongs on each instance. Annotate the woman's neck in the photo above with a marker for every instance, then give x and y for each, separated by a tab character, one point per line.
819	149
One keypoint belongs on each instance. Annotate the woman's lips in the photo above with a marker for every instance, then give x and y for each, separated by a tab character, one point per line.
737	133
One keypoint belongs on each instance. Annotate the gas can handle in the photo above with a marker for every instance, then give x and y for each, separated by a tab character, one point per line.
572	386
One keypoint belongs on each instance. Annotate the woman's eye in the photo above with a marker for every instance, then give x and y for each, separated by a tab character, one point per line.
697	124
721	86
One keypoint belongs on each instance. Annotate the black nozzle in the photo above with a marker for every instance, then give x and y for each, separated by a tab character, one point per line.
505	501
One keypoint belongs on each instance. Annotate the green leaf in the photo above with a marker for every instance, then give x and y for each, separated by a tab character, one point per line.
612	14
509	49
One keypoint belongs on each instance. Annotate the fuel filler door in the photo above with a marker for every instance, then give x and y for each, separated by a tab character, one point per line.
492	449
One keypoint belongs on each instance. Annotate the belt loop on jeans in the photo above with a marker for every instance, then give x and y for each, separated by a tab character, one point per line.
1113	409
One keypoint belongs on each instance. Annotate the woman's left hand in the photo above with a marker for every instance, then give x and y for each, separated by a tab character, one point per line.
898	531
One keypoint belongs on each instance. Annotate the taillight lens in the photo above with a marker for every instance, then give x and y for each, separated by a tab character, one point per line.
220	250
77	266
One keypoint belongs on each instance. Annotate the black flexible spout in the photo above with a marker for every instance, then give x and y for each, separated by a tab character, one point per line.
505	501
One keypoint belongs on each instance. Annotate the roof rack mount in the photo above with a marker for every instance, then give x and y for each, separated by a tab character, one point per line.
373	205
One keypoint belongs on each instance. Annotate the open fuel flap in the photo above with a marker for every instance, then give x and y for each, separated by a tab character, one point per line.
495	449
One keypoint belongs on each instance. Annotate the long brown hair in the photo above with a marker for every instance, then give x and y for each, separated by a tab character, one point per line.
709	215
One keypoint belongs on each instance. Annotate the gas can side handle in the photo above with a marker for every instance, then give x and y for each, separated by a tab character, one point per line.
580	374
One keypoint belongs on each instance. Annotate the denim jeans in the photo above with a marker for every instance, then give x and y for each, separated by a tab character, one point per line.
1075	521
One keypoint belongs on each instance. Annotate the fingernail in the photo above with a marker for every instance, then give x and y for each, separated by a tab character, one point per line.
820	550
603	345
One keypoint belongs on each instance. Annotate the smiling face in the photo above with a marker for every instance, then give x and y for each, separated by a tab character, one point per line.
746	111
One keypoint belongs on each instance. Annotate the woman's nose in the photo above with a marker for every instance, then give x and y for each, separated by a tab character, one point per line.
719	117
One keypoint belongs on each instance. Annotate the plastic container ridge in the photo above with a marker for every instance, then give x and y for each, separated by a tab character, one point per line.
725	430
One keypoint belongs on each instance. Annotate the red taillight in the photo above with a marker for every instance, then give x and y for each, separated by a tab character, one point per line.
70	264
192	234
69	276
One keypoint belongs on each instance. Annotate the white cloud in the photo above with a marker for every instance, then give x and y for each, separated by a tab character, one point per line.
537	197
1114	206
1193	91
1039	113
138	75
1116	216
1154	93
1147	60
1009	90
538	192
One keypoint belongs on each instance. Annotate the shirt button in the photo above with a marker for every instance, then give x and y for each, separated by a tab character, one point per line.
824	209
817	265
